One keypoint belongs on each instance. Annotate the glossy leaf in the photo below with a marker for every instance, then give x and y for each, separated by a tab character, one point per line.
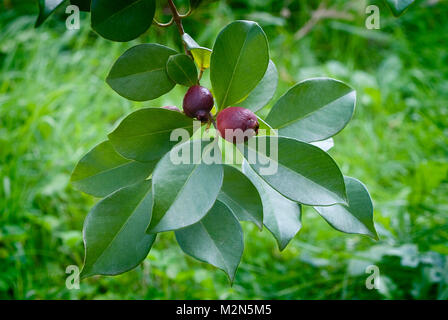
184	192
398	7
264	92
281	216
239	61
103	171
83	5
240	195
182	70
144	135
114	231
140	73
216	239
313	110
299	171
357	216
122	20
46	8
265	129
200	54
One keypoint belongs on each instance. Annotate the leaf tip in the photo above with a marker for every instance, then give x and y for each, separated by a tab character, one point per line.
373	234
281	246
231	277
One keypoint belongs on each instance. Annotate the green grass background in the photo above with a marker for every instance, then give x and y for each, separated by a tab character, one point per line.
55	106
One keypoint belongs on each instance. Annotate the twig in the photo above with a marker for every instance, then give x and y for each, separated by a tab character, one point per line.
176	17
320	14
210	117
178	21
163	25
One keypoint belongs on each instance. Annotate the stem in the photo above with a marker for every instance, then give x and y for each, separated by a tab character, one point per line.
210	116
200	75
176	17
321	13
178	21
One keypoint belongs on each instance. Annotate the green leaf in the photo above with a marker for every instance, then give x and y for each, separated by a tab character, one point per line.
398	7
140	73
299	171
265	129
122	20
239	61
229	151
200	54
103	171
313	110
281	216
217	239
357	216
182	70
184	192
83	5
240	195
114	231
144	135
46	8
264	92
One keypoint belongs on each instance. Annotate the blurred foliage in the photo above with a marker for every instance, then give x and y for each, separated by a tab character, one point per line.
55	106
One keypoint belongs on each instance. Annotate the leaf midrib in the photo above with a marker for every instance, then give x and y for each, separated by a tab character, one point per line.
104	171
121	228
272	206
234	69
135	74
293	173
309	114
184	72
216	247
177	195
223	193
155	132
347	208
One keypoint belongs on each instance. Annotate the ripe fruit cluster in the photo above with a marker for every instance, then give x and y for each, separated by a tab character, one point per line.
235	124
